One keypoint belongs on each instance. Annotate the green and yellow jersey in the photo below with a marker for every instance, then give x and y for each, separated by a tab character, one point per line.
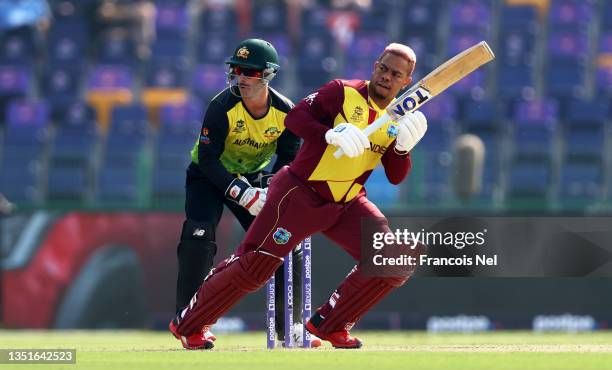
233	142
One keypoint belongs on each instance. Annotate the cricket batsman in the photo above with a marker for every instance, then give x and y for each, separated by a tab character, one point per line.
320	193
243	128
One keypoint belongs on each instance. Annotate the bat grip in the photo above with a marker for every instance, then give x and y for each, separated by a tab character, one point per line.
378	123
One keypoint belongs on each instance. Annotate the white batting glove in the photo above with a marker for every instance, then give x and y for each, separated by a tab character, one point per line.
251	198
349	138
411	129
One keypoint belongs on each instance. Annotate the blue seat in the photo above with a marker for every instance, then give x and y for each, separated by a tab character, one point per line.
214	48
76	137
165	74
19	180
27	130
474	16
61	85
117	184
566	78
110	77
117	48
367	45
269	16
603	79
479	112
587	112
425	46
529	179
371	18
14	81
516	47
441	129
315	45
315	62
220	20
519	18
570	12
207	80
535	123
606	17
169	49
437	175
174	145
169	185
171	20
17	47
471	85
314	18
517	81
581	180
67	44
585	128
570	44
421	14
129	131
67	183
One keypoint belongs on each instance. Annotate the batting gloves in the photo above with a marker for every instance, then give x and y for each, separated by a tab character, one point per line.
251	198
349	138
411	129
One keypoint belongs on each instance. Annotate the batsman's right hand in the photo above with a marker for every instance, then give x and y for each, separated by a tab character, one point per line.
412	127
349	138
251	198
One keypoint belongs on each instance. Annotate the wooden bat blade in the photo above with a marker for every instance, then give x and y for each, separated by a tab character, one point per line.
457	68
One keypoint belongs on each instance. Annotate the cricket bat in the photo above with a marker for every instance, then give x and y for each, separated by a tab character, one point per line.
433	84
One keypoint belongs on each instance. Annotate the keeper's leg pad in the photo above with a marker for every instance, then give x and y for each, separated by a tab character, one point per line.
354	297
196	253
233	278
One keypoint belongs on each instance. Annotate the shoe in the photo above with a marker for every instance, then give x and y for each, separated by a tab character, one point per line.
200	340
338	339
209	335
298	337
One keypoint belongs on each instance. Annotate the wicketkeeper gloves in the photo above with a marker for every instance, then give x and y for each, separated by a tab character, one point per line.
251	198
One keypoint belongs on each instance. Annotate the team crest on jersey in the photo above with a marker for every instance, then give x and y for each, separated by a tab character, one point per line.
357	114
204	139
271	132
281	236
240	126
392	130
243	52
205	131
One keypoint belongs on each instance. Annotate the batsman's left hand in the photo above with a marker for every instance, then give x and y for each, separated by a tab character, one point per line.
412	127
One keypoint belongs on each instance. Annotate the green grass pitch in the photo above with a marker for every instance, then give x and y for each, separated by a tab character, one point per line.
150	350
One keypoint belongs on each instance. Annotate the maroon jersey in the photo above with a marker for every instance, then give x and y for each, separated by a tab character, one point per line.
340	180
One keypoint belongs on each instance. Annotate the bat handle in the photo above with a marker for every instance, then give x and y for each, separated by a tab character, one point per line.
378	123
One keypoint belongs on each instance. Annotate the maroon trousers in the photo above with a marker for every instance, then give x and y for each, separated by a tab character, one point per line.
292	212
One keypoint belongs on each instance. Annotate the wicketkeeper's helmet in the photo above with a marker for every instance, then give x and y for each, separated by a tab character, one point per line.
256	54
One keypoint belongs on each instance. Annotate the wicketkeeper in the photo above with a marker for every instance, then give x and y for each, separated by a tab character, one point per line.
319	193
243	128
